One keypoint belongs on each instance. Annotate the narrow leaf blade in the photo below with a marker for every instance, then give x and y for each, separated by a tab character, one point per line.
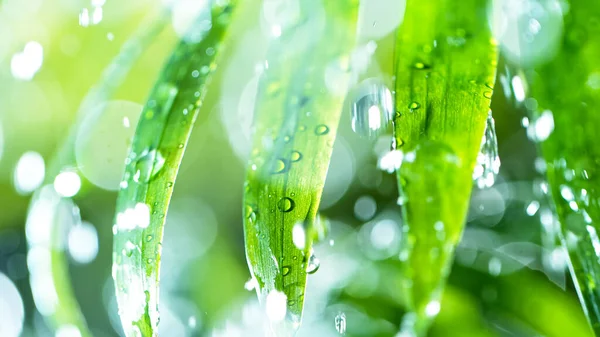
295	127
445	70
151	168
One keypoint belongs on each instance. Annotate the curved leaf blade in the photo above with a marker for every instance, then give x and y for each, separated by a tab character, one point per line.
151	168
445	70
50	212
296	118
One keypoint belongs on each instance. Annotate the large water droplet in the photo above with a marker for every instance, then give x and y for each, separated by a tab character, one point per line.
371	108
147	165
340	323
313	264
488	161
286	204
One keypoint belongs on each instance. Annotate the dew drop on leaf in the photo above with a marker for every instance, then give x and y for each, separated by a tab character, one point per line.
321	130
296	156
286	204
414	106
371	108
286	270
280	166
148	165
488	160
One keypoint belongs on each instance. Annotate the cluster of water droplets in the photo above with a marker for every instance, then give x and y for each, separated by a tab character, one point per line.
488	161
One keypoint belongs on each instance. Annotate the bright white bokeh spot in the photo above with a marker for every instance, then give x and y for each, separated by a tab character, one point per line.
276	306
68	331
378	18
11	308
29	172
383	234
132	218
83	243
299	236
432	308
518	88
532	208
542	127
391	161
24	65
67	184
84	17
186	14
103	140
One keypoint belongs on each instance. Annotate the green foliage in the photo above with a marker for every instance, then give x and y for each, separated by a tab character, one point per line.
152	166
294	131
445	70
565	122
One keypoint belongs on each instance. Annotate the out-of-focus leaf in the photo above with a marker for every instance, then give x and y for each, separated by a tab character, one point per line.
50	215
565	122
298	107
151	168
445	70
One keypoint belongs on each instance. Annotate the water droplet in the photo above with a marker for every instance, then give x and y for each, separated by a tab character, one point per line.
296	156
487	94
280	166
286	270
149	238
129	248
488	160
250	213
414	106
286	204
340	323
313	264
321	130
371	108
421	66
148	165
302	128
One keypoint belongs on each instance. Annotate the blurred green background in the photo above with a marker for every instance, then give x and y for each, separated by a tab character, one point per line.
509	278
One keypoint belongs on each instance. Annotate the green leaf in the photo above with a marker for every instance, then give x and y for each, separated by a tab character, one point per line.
445	70
297	112
151	168
567	92
50	212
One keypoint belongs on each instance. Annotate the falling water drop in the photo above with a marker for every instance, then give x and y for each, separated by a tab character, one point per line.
371	108
488	161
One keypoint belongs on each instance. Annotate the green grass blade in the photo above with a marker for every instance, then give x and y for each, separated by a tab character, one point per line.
53	214
151	168
567	92
445	70
295	126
